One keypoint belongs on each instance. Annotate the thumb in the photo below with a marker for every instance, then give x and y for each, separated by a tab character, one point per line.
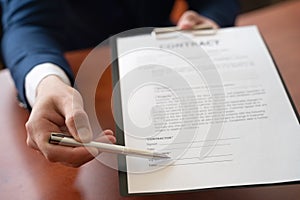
76	119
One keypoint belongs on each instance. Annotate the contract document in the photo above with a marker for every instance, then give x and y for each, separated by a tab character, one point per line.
214	103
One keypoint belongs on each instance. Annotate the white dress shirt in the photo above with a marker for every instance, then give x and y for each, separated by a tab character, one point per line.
37	74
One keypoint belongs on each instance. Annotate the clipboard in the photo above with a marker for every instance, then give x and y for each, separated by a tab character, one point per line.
160	33
201	29
123	178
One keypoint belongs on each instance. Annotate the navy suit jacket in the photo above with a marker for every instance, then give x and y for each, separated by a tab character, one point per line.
38	31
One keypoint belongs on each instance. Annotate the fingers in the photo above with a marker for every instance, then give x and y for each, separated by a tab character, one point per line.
69	156
76	119
74	157
106	132
188	20
67	102
106	136
191	18
59	108
39	127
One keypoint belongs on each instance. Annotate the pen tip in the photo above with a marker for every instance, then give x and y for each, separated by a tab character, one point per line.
160	155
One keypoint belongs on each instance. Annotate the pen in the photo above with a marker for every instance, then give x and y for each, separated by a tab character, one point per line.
66	140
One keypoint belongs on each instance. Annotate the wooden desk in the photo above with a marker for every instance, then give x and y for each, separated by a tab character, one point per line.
280	27
25	174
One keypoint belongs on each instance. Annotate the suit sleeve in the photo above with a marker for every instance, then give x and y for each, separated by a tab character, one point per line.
32	30
223	12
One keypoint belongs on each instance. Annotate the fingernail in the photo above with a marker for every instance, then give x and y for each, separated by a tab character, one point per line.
84	134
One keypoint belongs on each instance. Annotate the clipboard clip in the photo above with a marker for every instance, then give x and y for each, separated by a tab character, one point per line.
197	30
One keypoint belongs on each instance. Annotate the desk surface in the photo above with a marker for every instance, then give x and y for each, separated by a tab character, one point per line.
25	174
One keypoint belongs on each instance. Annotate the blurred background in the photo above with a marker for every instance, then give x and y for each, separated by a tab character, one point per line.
246	6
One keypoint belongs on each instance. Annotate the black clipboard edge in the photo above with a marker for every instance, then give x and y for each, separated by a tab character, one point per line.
117	105
117	109
191	191
123	182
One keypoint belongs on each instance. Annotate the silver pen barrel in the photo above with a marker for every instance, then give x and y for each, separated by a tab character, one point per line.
61	139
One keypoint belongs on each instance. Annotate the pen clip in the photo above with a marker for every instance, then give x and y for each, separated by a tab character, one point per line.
167	32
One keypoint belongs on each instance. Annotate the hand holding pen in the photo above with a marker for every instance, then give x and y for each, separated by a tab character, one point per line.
66	140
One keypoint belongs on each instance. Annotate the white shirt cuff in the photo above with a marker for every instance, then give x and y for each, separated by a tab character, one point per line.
37	74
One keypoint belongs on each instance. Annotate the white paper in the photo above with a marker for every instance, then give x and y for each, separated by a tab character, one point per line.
215	104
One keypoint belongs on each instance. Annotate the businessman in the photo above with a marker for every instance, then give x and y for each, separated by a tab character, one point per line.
37	33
